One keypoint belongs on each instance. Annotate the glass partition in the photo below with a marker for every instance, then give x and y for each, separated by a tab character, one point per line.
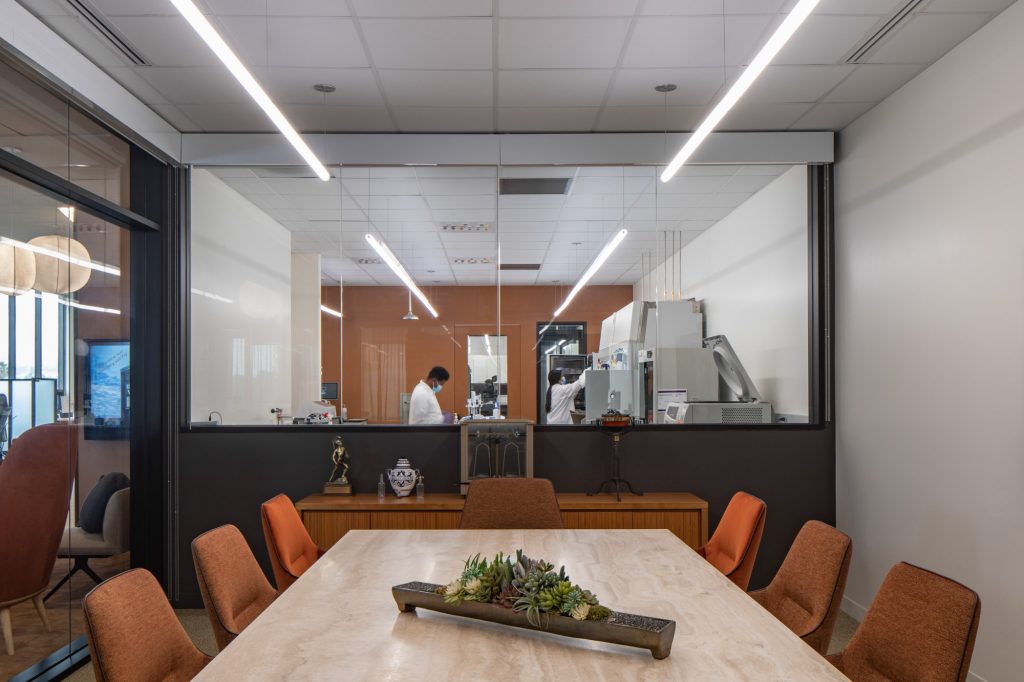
479	288
65	403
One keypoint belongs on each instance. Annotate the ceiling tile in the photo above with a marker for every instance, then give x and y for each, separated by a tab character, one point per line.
229	118
552	88
112	8
355	87
438	88
796	83
420	8
560	43
166	41
745	35
338	119
429	44
444	119
926	37
247	36
873	82
670	7
194	84
750	115
878	7
518	119
636	86
675	41
567	8
320	42
832	115
825	39
970	5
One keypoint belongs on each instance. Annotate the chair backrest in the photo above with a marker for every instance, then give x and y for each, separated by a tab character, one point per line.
35	489
133	633
117	521
806	592
921	626
291	549
233	586
733	547
511	503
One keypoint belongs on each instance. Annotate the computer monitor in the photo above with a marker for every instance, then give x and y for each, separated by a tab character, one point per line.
108	388
329	390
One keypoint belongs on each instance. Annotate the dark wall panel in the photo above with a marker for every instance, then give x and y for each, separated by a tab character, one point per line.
224	474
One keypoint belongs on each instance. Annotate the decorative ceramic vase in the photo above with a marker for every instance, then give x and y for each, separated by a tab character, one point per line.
403	477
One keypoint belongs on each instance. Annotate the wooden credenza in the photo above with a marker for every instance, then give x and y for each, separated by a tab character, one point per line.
329	517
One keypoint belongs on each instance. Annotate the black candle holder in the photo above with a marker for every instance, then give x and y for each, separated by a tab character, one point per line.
615	483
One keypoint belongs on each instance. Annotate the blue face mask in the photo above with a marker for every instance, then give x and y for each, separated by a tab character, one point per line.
436	389
562	380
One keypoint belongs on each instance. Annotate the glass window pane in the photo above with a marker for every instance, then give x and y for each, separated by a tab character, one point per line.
49	336
25	336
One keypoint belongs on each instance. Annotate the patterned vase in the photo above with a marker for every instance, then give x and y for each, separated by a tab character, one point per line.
403	477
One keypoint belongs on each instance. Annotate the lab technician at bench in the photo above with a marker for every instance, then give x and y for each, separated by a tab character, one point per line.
423	405
559	401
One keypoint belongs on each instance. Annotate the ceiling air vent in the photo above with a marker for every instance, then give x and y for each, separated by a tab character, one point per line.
368	261
862	51
473	260
535	185
114	38
519	266
465	227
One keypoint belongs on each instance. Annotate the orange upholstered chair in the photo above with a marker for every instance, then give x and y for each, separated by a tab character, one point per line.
233	586
35	492
921	626
291	549
806	592
134	635
733	547
511	503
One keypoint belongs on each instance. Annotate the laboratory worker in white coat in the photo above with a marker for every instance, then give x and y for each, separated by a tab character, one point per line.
560	397
423	405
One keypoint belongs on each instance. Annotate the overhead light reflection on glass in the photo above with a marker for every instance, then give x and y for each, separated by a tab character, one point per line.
392	262
592	269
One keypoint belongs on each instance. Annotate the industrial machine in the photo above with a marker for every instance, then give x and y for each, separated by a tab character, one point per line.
748	408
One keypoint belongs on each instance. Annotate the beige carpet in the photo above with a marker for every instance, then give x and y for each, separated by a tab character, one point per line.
198	628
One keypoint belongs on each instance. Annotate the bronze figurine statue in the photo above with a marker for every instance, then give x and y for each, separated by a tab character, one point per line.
339	483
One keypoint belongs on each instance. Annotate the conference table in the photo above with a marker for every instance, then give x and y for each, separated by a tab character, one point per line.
340	621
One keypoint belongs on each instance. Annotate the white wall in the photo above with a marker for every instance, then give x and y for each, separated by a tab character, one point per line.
749	271
241	300
305	316
930	334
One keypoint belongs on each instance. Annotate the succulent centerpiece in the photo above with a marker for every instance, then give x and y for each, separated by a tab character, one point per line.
529	593
527	585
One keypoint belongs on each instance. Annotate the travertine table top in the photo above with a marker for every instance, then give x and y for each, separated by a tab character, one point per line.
339	621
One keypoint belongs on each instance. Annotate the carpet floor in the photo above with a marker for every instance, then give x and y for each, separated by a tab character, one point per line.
198	628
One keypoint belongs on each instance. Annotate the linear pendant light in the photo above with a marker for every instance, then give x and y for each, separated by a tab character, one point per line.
330	311
781	36
592	269
385	254
220	48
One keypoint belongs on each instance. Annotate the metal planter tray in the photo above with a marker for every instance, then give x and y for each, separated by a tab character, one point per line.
653	634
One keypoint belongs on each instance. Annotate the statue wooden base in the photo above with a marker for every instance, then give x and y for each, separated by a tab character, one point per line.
331	488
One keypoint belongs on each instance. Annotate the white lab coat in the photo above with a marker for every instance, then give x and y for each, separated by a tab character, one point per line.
562	396
423	405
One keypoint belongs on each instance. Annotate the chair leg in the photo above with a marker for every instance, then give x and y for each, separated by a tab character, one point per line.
41	608
5	625
63	580
83	564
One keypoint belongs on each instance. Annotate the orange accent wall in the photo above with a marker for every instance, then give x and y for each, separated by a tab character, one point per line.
385	355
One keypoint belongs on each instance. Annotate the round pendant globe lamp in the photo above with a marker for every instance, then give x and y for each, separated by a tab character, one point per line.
17	269
61	264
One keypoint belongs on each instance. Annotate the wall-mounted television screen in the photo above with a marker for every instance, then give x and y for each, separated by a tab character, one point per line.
108	389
